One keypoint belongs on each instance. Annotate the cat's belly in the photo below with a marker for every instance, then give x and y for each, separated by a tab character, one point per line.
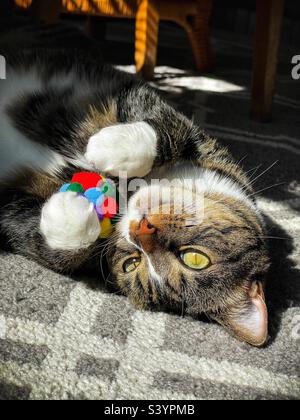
17	151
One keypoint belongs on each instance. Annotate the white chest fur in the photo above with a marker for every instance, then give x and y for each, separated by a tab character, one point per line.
16	150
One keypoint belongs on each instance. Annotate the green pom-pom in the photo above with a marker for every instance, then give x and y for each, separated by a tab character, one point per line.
75	187
109	189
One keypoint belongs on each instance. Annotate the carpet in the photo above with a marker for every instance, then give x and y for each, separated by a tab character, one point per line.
67	338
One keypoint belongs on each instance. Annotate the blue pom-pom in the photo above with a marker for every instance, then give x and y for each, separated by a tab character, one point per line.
93	195
64	188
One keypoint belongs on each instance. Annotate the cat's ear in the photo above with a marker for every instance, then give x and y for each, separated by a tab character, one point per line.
248	321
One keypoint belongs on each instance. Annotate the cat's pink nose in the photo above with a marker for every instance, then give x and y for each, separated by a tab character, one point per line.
145	228
143	233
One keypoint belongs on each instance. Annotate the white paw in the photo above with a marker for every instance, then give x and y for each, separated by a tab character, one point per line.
69	222
130	148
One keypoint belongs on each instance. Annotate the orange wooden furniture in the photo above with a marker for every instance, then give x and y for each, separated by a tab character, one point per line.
269	17
192	15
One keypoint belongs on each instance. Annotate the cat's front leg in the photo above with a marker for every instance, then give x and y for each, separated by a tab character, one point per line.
69	222
130	148
60	233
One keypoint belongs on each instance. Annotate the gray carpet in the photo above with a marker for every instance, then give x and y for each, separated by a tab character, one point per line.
61	338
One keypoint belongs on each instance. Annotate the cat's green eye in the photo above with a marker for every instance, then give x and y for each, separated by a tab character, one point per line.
131	264
195	260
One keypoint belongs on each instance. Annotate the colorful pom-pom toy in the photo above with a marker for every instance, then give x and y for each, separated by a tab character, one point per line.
100	191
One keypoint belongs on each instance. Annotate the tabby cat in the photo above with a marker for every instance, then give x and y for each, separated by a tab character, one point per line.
62	112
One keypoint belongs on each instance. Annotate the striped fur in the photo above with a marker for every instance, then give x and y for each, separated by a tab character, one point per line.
72	97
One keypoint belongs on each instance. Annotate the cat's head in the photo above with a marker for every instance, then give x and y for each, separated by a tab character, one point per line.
212	261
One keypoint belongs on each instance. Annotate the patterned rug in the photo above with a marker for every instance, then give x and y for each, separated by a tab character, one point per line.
66	338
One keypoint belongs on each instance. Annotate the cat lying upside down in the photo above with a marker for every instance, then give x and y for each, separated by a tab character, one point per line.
63	113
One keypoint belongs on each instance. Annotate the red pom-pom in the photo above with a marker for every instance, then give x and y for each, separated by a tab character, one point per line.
87	179
109	208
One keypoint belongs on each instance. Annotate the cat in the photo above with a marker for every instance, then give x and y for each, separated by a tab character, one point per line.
63	112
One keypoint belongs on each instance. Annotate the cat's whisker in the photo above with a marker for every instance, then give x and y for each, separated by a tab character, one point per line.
267	188
263	173
275	237
242	160
253	180
208	317
107	280
254	171
101	265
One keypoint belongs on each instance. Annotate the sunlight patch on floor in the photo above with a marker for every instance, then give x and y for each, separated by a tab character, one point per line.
170	78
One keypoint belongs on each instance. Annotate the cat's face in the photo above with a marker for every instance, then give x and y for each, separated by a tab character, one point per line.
212	262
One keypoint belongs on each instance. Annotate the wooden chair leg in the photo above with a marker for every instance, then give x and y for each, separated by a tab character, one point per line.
267	40
146	38
199	34
47	11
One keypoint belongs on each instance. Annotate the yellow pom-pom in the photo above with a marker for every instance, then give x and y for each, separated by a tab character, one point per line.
106	228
